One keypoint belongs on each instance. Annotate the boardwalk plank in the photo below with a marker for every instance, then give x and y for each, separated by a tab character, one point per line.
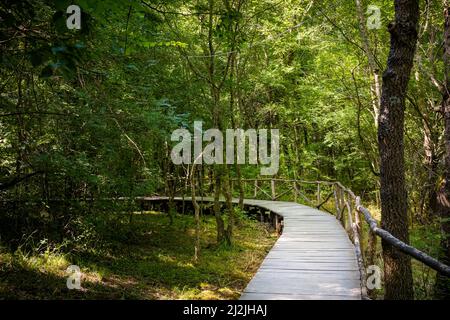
313	259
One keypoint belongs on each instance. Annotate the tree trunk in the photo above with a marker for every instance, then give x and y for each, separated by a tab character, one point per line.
233	67
442	287
230	209
394	215
371	60
220	225
169	183
429	202
215	90
196	215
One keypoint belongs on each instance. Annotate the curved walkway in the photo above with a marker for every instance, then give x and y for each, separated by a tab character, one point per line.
312	260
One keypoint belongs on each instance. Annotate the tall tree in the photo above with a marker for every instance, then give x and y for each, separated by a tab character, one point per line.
442	282
373	67
394	216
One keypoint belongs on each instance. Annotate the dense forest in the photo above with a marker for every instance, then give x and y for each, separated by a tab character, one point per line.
357	89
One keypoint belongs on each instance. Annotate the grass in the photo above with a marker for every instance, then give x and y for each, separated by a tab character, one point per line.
144	259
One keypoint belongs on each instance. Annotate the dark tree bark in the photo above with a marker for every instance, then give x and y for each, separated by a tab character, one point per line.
196	215
220	224
168	170
394	216
442	288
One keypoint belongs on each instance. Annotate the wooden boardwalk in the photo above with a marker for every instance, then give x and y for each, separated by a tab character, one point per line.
312	260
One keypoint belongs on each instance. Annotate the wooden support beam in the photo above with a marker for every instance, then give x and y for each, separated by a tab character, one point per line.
295	190
342	206
273	188
360	260
349	212
318	193
336	201
276	223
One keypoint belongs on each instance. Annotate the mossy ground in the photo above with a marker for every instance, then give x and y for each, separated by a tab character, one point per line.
145	259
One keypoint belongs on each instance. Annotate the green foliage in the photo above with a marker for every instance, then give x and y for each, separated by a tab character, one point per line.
86	115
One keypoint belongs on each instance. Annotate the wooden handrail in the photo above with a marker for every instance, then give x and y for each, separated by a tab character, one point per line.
400	245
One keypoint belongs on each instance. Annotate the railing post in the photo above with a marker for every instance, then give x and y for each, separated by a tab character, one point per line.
274	192
342	206
243	186
359	257
295	191
255	193
318	193
359	227
358	231
336	201
350	211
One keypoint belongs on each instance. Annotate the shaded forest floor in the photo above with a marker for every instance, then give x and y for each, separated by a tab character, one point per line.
144	259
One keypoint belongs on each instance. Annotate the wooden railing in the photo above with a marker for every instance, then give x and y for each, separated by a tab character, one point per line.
348	210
